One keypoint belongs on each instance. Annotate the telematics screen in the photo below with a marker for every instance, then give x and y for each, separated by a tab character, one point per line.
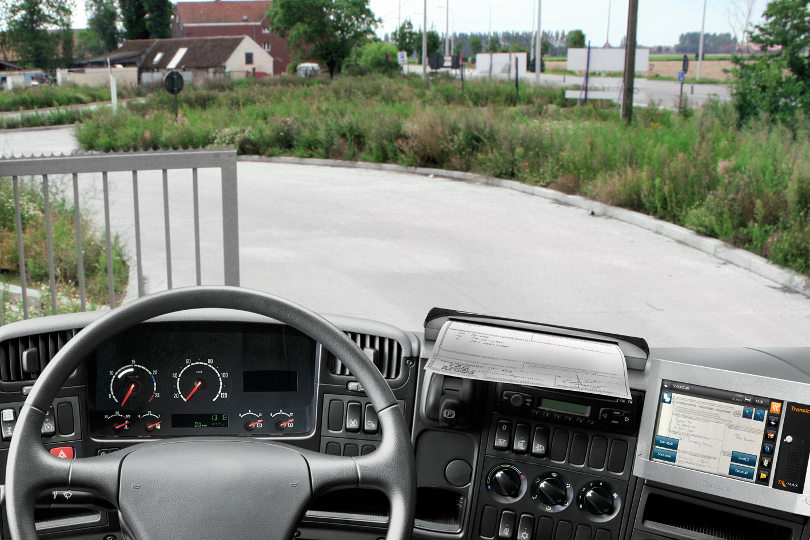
716	431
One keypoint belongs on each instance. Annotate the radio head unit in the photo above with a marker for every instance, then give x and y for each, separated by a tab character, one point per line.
721	438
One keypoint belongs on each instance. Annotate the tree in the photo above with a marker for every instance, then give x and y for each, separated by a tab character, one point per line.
159	18
576	39
133	14
28	22
475	45
327	30
433	43
102	33
405	37
740	13
378	57
494	44
777	85
689	43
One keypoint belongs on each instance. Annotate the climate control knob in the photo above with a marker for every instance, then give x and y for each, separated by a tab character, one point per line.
598	499
506	482
551	491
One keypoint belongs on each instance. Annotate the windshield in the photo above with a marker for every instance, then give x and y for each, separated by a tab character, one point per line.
381	171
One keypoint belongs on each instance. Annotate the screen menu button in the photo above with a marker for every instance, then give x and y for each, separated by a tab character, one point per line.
741	472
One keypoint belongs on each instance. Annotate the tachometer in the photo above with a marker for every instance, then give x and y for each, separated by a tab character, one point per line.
133	386
200	382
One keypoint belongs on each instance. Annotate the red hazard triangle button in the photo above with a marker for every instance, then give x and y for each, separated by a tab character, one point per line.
65	452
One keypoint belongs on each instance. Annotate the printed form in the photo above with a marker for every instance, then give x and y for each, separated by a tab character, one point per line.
508	355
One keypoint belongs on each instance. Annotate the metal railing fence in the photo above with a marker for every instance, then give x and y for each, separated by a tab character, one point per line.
134	162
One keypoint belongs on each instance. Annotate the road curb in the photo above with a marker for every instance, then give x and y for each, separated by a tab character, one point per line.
755	264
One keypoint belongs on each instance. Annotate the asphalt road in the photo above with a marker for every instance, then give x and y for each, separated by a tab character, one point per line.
390	246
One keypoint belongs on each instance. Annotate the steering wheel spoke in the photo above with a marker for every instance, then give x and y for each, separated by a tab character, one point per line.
99	474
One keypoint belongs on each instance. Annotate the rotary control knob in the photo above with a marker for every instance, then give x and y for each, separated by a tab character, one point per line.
551	491
506	482
598	499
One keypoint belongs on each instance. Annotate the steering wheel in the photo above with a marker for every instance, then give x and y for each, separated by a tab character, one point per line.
194	488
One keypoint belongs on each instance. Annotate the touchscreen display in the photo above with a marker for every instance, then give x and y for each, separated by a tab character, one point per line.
716	431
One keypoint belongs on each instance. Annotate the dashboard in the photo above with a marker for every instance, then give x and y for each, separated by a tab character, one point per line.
173	379
711	443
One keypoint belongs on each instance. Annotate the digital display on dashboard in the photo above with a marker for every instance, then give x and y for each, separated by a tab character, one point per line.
565	406
199	420
716	431
270	380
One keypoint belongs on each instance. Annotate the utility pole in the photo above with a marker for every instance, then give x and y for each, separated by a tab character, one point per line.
424	42
538	45
607	35
447	31
399	15
630	62
700	47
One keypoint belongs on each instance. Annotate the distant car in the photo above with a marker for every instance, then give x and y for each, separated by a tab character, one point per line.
307	69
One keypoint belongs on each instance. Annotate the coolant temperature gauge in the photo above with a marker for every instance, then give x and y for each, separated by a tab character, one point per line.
151	421
120	422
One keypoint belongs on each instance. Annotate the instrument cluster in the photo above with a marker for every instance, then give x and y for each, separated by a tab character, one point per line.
191	378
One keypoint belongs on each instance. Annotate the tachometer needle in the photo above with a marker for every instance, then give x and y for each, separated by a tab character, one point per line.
129	393
196	386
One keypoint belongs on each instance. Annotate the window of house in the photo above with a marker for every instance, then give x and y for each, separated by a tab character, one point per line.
158	56
248	58
265	30
266	46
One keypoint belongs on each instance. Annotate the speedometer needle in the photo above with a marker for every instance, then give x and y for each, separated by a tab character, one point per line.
196	386
129	393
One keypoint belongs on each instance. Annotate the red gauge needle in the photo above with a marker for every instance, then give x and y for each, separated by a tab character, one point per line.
287	422
150	426
256	423
129	393
196	386
119	426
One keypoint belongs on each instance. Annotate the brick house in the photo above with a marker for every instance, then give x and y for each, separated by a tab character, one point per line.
231	18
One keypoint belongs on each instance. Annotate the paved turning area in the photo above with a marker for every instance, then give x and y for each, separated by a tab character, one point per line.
390	246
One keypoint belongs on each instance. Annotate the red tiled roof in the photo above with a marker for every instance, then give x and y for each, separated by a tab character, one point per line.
225	11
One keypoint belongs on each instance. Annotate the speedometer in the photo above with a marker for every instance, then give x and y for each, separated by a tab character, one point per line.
200	381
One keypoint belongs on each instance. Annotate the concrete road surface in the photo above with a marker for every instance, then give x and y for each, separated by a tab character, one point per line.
390	246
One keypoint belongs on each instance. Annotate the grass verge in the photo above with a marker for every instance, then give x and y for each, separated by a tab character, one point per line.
749	186
65	257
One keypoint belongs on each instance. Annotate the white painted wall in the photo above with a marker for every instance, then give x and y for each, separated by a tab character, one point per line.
606	59
500	65
262	60
99	76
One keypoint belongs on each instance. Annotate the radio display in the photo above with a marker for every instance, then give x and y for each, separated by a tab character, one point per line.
716	431
565	407
199	420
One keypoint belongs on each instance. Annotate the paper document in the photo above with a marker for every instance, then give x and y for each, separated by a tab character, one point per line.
507	355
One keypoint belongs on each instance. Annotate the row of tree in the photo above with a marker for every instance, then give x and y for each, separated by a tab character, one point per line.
39	34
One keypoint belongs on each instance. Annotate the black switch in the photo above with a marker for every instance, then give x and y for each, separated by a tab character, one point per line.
354	412
335	415
489	522
564	530
545	529
8	419
49	424
540	441
520	445
333	448
503	434
351	450
583	533
618	453
603	534
506	527
372	424
525	530
579	447
596	459
64	418
559	444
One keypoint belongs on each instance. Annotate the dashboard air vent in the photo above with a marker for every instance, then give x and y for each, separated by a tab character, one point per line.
23	358
385	353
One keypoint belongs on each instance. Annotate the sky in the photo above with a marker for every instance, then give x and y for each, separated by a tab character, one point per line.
660	22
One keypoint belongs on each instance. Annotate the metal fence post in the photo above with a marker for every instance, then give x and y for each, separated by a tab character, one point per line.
230	222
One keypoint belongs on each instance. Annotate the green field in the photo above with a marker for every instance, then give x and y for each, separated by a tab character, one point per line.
749	186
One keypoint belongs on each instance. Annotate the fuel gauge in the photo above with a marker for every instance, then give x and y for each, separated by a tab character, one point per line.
252	420
151	421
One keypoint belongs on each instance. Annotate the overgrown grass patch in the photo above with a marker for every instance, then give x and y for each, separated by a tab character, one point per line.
746	185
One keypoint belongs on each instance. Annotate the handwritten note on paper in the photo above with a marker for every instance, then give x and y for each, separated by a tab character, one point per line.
508	355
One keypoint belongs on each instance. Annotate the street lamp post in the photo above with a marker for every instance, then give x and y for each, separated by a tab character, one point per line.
424	42
538	45
447	31
700	47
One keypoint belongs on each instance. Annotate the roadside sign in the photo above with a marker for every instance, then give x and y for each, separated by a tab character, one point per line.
173	82
685	63
436	60
402	58
681	76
